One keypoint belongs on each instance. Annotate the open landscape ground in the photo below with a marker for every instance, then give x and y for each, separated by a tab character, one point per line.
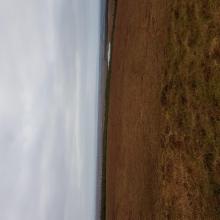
190	99
133	138
163	133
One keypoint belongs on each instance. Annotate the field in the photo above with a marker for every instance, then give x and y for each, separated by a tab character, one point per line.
133	139
163	117
190	99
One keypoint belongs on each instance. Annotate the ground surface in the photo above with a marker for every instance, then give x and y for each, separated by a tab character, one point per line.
190	96
134	109
163	139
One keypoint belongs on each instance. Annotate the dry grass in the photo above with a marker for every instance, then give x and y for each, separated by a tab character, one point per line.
190	98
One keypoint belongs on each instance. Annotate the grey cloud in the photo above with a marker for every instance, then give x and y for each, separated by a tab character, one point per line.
49	72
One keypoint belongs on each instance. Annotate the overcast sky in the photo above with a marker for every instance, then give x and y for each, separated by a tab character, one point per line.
49	73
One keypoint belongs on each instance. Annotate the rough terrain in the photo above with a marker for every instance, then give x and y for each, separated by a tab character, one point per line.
190	98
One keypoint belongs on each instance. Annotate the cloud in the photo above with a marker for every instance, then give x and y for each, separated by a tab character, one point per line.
49	73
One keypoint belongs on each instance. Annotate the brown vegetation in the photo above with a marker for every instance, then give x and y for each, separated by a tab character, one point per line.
190	96
163	141
134	109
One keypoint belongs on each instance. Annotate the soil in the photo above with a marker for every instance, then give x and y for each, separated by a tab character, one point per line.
133	132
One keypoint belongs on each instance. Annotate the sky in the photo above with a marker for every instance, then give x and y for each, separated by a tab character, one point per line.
49	72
